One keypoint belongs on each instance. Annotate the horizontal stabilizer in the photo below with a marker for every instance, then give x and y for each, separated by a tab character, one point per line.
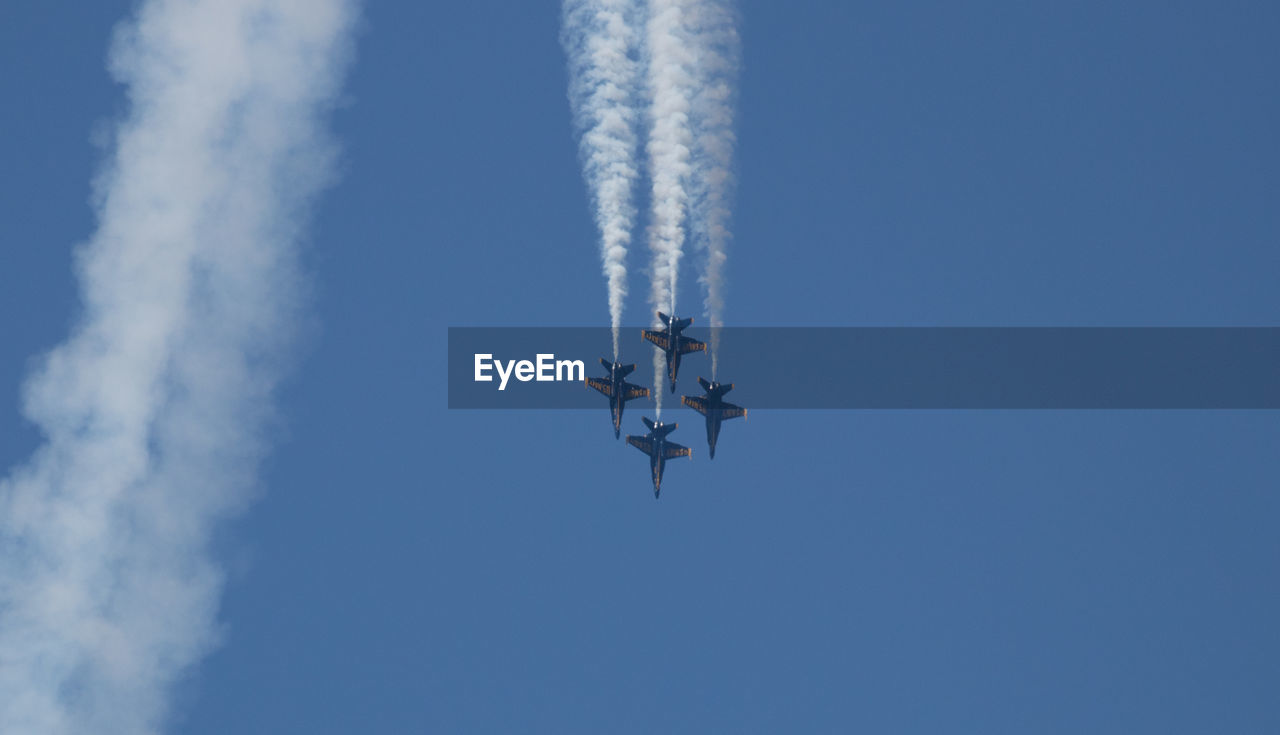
676	325
714	389
617	369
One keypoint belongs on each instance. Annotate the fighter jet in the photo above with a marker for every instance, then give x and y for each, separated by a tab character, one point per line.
655	445
714	407
669	340
618	390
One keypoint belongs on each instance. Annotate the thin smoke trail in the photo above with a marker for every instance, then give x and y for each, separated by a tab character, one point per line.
716	43
599	38
670	84
154	409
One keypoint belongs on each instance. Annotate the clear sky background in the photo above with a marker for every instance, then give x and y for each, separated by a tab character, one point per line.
408	569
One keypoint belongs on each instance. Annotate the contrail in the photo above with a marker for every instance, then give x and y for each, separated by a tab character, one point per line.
154	409
693	64
599	38
714	38
670	84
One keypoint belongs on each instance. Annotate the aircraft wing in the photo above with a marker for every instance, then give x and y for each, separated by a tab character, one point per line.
634	391
643	443
730	411
672	450
689	344
697	403
601	384
661	339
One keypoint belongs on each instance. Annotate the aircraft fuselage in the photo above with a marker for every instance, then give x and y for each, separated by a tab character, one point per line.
659	449
618	390
670	340
713	406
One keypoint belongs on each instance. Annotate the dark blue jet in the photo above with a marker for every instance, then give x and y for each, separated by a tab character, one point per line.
670	341
618	390
715	408
655	445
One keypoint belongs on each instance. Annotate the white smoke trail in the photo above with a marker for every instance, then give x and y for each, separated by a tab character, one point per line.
670	84
715	40
153	410
599	38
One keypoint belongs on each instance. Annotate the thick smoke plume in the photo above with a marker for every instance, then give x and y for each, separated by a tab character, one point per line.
692	53
600	41
715	41
670	84
153	410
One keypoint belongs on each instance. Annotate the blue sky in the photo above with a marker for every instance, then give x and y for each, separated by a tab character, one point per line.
406	568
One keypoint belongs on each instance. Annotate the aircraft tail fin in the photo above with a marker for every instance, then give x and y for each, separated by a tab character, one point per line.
622	371
714	389
648	423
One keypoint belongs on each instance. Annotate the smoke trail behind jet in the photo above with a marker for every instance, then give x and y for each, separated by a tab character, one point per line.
714	37
599	38
670	85
153	410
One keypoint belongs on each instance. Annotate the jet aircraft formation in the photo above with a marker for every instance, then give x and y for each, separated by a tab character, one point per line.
711	405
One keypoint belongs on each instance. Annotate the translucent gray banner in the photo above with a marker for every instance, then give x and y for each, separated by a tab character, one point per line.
886	367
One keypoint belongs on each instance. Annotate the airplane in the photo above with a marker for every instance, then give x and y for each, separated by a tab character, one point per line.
714	407
655	445
618	390
669	340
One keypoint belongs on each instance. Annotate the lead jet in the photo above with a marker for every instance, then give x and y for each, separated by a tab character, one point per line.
618	390
715	408
670	341
655	445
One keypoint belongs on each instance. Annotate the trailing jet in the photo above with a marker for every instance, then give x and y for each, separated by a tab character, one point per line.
669	340
618	390
655	445
714	407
